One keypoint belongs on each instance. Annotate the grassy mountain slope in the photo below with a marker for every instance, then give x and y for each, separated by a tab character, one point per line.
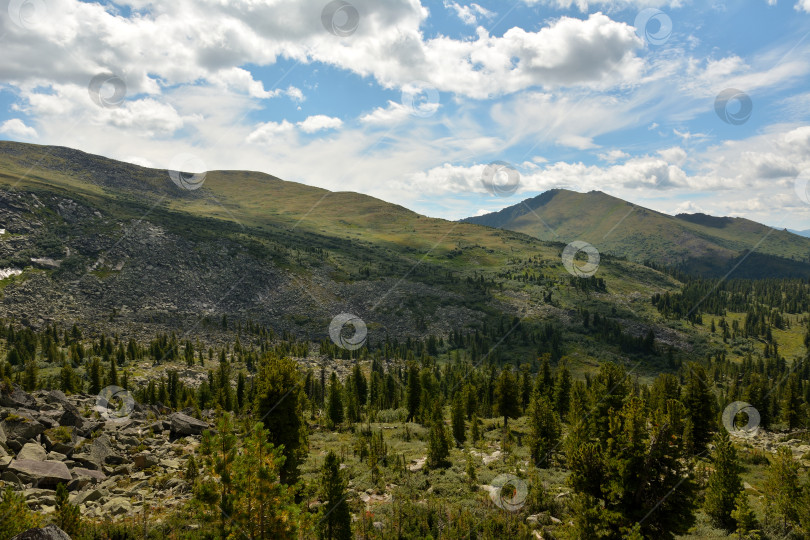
694	242
121	248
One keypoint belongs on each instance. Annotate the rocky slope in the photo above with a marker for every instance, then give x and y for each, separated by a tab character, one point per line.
117	458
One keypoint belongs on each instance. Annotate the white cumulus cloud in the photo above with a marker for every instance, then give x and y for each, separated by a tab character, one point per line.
16	128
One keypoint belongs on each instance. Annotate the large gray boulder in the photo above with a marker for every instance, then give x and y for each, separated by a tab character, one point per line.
51	532
21	427
17	399
41	473
183	425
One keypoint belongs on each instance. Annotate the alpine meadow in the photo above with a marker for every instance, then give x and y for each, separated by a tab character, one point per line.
404	269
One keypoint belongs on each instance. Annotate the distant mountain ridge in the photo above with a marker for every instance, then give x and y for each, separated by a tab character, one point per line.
698	244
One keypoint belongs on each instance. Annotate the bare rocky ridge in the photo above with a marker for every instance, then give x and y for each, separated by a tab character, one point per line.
137	277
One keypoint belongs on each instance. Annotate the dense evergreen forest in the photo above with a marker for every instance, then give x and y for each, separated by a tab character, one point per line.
303	430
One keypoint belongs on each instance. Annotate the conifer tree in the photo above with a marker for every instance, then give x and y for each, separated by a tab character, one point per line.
224	454
544	429
67	516
700	405
743	515
791	402
457	419
782	488
113	375
438	440
562	391
359	385
475	430
264	508
804	507
67	379
414	392
334	409
724	484
94	374
472	475
279	406
31	375
240	390
15	513
335	520
637	474
507	402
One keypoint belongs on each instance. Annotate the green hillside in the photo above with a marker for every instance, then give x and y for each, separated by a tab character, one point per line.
695	243
127	250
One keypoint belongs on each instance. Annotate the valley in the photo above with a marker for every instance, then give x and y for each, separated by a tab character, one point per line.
489	391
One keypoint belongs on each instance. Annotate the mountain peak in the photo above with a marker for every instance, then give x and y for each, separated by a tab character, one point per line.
698	243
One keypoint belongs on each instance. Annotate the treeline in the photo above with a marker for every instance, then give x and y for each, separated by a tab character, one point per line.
718	296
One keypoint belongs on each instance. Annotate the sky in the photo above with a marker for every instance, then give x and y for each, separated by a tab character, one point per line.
448	108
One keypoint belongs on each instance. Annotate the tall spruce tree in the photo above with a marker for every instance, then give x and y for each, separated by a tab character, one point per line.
782	489
67	516
507	398
438	440
700	405
457	419
334	410
414	393
724	484
335	518
279	405
544	429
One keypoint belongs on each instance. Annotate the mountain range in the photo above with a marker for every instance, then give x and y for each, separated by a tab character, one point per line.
697	244
130	250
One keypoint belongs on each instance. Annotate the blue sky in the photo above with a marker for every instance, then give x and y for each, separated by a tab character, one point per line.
410	102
